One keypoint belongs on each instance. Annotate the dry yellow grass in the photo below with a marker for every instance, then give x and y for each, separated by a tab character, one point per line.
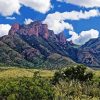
15	72
21	72
97	75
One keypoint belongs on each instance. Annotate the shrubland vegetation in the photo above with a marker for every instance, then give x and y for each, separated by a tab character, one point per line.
76	83
71	83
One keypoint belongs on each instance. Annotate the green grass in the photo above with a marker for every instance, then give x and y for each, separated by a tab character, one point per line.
15	72
97	73
22	72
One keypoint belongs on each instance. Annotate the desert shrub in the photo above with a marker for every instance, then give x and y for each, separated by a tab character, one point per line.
75	83
36	88
76	73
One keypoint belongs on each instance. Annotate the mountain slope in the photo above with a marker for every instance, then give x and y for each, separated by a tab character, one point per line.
11	57
89	53
35	45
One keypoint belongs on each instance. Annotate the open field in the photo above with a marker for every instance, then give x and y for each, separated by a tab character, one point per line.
14	79
15	72
22	72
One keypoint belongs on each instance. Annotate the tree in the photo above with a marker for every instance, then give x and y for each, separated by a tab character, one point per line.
76	73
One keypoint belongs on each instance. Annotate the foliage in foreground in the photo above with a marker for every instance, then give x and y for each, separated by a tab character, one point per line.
72	83
36	88
76	83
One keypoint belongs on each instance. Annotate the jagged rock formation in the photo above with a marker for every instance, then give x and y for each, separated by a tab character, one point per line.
36	45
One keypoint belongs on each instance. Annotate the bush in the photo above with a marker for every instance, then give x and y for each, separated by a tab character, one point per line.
36	88
76	73
75	83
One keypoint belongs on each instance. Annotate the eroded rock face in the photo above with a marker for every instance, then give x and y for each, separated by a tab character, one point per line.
15	27
42	42
37	45
62	38
35	28
38	29
44	31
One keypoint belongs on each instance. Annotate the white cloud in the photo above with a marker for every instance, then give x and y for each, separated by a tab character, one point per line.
8	7
83	3
57	25
39	5
56	21
4	29
74	15
83	37
28	21
11	18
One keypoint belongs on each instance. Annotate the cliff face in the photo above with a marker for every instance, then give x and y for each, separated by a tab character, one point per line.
62	38
14	29
35	28
38	29
36	45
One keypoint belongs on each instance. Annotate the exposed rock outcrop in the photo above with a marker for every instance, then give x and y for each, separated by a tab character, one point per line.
35	45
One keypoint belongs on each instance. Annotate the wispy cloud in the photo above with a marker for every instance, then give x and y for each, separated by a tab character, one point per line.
83	3
74	15
11	18
28	21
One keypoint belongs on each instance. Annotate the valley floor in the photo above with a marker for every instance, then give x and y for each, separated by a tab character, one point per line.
10	72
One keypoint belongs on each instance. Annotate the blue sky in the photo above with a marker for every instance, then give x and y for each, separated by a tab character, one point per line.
84	16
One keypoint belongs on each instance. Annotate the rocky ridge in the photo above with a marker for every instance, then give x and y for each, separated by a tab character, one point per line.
36	45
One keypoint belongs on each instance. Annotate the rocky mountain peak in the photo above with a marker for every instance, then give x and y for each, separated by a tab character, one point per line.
36	41
35	28
34	45
15	27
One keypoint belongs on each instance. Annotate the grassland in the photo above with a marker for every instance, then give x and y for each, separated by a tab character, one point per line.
10	76
13	72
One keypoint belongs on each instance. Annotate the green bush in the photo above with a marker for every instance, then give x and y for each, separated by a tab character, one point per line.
36	88
76	73
75	83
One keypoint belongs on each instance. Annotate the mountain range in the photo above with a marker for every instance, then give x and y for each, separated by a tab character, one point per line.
34	45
